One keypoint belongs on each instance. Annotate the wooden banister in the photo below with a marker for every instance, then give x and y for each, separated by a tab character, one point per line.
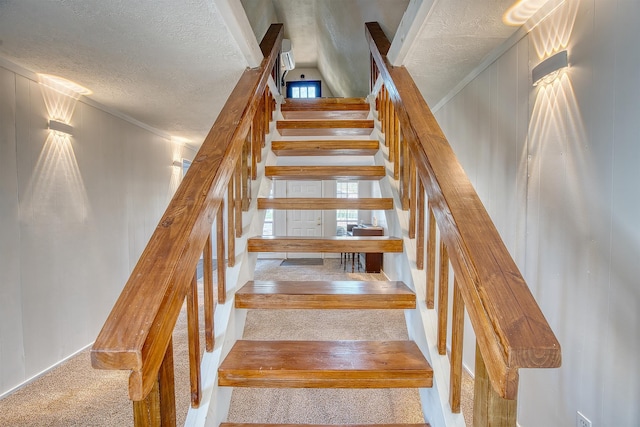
511	330
138	331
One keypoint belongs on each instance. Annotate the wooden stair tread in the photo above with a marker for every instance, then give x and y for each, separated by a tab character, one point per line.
320	425
324	364
325	172
348	294
324	127
292	104
325	108
357	147
325	203
334	244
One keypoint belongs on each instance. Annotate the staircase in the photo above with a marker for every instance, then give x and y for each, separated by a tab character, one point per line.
510	329
325	364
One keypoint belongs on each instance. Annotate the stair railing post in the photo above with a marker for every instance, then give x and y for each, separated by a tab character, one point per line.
158	408
489	409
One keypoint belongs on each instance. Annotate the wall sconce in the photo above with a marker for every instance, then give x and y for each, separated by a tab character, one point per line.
177	163
547	71
60	127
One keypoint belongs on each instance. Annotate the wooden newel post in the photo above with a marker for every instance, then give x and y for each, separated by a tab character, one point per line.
489	409
159	407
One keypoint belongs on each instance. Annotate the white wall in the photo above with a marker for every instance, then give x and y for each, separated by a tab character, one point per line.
557	169
261	14
76	214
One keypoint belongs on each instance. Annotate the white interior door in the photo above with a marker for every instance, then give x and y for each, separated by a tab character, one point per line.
305	222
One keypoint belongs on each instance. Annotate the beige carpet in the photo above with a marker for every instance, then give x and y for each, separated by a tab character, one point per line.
74	394
332	406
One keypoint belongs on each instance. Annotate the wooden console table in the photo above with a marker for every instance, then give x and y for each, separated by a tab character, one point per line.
372	262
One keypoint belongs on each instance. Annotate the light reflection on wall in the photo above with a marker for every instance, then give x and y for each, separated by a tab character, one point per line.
176	178
177	145
553	34
56	192
558	169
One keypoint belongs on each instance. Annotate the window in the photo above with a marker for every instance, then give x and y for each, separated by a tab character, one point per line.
304	89
345	217
267	228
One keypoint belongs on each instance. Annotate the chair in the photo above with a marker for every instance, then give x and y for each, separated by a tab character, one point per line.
350	255
341	231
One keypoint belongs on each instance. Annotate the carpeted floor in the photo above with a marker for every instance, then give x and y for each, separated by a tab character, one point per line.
301	261
74	394
316	406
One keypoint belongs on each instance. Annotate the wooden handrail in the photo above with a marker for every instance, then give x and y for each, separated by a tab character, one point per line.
138	330
511	330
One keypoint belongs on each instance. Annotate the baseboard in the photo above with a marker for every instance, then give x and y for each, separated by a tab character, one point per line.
45	371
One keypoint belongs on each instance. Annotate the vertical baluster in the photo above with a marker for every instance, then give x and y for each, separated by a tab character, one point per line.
412	198
207	267
396	148
264	125
255	144
431	259
372	81
231	237
244	195
259	135
405	173
273	107
489	409
387	115
381	111
222	284
194	342
457	333
159	407
376	73
443	299
391	133
420	231
267	112
238	199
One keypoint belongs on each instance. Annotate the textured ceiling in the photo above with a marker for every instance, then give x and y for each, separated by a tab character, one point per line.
172	64
455	38
329	35
166	63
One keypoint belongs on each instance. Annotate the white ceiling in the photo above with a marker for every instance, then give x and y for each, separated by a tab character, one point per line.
455	38
172	64
169	64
